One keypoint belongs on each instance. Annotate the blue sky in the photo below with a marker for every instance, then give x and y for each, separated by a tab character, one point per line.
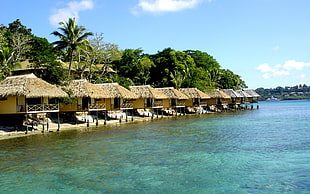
266	42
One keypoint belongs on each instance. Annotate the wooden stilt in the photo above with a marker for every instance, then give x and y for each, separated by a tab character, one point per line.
58	122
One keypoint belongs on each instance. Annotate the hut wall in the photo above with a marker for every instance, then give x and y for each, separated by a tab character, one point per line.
189	102
8	105
212	101
45	100
68	107
166	103
108	103
139	103
21	101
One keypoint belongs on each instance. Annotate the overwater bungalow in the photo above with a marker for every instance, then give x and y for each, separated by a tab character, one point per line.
28	94
89	97
218	100
253	96
176	99
148	99
122	99
244	96
196	98
235	98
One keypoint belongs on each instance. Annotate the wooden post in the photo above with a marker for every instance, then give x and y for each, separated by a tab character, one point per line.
105	117
97	123
58	122
126	116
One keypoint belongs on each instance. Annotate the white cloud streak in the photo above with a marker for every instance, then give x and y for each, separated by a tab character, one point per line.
158	6
281	70
71	11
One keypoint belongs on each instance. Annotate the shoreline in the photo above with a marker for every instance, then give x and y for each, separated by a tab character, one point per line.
5	134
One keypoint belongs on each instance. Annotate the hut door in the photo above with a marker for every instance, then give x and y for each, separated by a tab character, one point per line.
117	102
173	102
149	102
85	102
196	102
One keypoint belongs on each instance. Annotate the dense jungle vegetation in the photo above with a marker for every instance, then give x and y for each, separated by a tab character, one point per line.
79	54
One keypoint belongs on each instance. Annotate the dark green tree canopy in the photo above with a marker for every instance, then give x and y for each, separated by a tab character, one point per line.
99	61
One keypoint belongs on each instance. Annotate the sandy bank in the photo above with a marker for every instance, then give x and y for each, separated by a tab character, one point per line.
52	127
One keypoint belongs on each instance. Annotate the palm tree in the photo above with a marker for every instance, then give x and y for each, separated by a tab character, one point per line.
72	37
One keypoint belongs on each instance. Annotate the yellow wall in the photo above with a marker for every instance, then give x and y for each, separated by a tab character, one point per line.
67	107
212	101
8	106
189	102
139	103
166	103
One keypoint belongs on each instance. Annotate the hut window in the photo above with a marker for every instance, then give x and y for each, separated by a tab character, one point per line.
173	102
34	101
117	102
96	100
3	99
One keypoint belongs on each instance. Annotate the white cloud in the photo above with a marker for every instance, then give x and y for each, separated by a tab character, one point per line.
281	70
264	68
289	65
71	11
157	6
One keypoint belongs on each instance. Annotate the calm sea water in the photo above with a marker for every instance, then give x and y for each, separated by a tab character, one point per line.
259	151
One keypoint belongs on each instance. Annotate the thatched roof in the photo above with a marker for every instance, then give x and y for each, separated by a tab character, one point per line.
232	93
82	88
242	93
216	93
146	91
194	93
29	86
252	93
117	91
172	93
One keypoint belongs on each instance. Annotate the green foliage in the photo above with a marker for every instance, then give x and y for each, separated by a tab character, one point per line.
230	80
72	37
285	93
99	62
54	73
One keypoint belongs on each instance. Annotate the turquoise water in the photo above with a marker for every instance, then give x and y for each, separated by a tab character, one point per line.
259	151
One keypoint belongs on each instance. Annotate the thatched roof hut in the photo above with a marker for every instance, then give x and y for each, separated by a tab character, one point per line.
173	93
232	93
252	93
29	86
146	91
243	94
82	88
216	93
194	93
117	91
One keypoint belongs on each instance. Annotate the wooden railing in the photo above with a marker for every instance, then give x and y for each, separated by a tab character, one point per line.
203	103
97	106
127	105
94	106
42	107
157	104
180	104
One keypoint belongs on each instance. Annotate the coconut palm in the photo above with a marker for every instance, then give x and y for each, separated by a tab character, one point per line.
72	37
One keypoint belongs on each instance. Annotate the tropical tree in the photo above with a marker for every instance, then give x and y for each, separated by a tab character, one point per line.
13	49
72	37
230	80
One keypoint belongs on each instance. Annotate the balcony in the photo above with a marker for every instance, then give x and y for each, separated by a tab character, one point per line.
127	106
92	107
34	108
97	106
156	104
